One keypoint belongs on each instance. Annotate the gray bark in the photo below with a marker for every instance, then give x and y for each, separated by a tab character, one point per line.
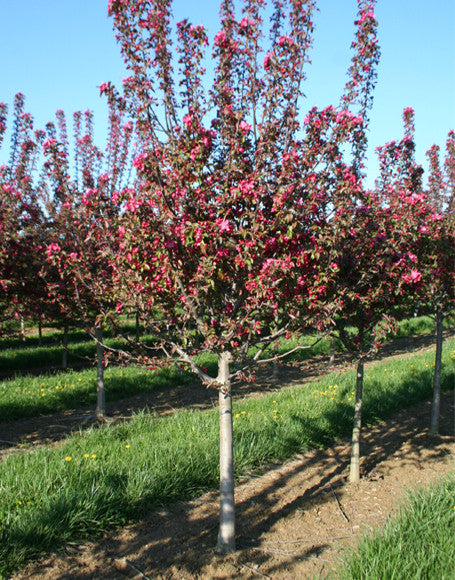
332	351
226	535
100	391
354	473
435	410
276	368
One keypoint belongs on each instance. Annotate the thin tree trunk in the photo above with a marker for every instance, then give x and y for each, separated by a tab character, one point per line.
354	473
40	330
65	348
332	351
22	328
226	535
276	368
100	391
435	410
138	328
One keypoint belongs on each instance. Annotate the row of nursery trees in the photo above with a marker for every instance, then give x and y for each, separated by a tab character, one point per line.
242	221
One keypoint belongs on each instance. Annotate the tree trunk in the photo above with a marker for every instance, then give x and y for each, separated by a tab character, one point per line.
40	330
65	349
22	328
226	535
138	327
101	396
354	473
276	368
332	351
435	410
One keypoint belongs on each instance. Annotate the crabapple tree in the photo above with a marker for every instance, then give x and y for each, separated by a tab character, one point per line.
81	215
220	236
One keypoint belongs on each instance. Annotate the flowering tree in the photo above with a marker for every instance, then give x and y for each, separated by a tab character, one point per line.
20	217
437	255
426	230
220	238
81	216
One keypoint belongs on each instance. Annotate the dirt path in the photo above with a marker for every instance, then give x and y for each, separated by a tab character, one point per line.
293	521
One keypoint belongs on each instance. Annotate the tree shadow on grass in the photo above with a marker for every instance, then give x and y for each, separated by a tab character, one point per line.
183	534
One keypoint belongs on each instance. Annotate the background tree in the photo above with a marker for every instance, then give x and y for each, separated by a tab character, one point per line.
20	218
425	232
81	218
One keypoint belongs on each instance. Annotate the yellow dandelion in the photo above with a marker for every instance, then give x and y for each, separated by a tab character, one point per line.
19	503
86	455
67	458
237	415
274	402
127	446
93	456
243	412
29	503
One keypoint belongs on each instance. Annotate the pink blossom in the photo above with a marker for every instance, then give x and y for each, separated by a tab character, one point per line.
220	38
267	60
53	249
49	143
285	40
224	225
188	119
415	276
244	127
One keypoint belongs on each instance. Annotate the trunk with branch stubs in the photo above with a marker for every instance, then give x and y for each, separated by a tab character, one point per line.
354	473
226	535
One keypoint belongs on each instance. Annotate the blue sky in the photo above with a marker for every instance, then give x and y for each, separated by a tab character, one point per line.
57	52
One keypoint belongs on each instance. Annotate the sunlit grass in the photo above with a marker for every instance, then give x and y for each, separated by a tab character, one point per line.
419	542
107	476
27	396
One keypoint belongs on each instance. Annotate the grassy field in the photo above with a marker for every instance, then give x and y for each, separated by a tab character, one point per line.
27	396
419	542
100	479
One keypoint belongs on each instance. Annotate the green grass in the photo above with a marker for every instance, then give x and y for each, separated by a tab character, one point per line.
100	479
27	396
36	357
418	543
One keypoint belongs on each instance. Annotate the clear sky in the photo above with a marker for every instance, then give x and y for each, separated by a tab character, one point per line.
57	52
